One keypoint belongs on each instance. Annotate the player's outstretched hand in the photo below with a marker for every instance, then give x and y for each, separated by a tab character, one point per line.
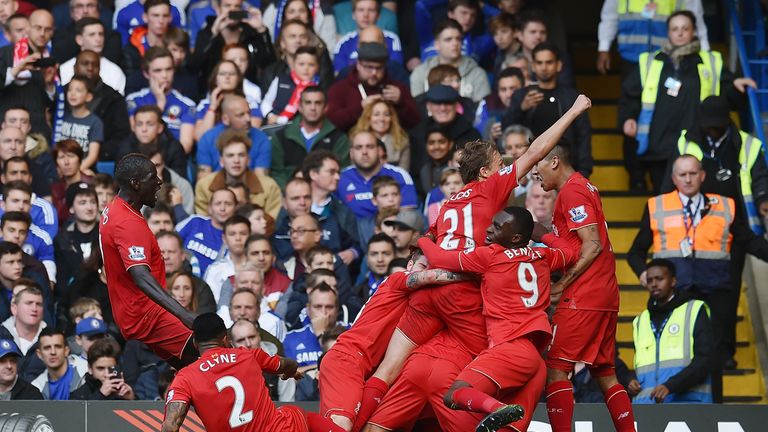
289	369
582	104
539	230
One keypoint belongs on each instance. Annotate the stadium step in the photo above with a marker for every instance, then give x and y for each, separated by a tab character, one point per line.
624	209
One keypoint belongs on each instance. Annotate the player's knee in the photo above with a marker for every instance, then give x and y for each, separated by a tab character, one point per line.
556	375
342	422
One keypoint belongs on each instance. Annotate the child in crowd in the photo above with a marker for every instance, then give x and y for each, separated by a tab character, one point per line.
450	183
281	102
386	195
80	124
503	27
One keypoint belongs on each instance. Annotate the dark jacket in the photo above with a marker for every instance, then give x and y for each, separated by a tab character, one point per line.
338	225
280	67
468	106
578	135
69	257
344	102
173	153
289	150
637	256
90	390
65	47
297	296
31	95
671	114
23	390
110	107
208	50
205	300
704	343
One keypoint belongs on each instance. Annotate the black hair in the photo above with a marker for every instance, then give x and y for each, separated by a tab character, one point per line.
445	25
132	166
15	216
208	327
546	46
149	4
511	72
315	159
15	159
84	22
523	220
397	262
160	207
381	237
661	262
52	331
686	13
234	220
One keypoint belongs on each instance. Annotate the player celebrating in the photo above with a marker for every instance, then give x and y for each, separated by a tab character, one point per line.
227	389
515	313
135	269
461	221
351	360
584	324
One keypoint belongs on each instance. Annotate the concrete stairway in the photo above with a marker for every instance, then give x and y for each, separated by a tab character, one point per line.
624	209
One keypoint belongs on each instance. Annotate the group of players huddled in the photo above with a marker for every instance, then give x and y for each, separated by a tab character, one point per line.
463	335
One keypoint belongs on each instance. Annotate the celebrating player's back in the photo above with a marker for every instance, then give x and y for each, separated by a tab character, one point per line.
227	389
135	270
515	288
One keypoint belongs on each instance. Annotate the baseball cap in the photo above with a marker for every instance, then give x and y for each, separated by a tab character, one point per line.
74	189
372	51
90	326
410	219
7	346
442	94
714	112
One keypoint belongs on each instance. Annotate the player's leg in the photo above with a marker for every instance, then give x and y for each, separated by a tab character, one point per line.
604	372
171	340
318	423
564	349
341	387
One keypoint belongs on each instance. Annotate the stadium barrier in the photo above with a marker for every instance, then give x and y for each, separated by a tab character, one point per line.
67	416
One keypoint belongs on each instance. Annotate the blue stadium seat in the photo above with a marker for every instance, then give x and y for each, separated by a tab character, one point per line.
106	168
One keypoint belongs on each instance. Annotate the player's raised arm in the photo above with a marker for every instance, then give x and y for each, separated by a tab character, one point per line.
175	413
472	262
545	142
147	284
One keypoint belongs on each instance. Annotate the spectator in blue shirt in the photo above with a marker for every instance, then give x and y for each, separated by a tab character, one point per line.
203	235
16	227
478	45
178	110
63	371
132	15
235	114
356	181
365	13
43	213
302	345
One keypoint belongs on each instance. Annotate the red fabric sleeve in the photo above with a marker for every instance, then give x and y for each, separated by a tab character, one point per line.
560	254
266	362
437	257
501	184
578	208
132	244
179	391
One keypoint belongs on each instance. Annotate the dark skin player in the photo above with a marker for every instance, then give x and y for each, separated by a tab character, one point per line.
141	190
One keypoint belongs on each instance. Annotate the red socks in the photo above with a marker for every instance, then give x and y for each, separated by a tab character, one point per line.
373	393
318	423
471	399
620	407
560	405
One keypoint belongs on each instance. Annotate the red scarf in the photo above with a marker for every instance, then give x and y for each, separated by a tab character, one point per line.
292	107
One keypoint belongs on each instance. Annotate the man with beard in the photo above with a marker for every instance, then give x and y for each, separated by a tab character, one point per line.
107	103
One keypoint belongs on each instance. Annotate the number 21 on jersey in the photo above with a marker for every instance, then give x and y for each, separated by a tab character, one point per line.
450	241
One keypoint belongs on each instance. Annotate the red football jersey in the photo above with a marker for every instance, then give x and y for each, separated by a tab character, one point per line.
126	241
578	205
227	389
369	336
463	218
515	284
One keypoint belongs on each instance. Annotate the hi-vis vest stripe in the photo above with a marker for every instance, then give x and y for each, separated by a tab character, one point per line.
710	69
658	358
711	237
748	154
638	33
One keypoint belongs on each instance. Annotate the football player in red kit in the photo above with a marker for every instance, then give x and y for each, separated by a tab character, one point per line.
587	297
460	224
227	389
135	269
352	359
515	312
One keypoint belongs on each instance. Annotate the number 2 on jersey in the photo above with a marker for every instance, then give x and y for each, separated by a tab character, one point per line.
452	217
529	282
236	417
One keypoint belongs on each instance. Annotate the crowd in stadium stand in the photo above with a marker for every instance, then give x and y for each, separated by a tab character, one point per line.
305	146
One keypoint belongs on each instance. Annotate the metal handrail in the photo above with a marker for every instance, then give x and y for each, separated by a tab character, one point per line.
746	61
